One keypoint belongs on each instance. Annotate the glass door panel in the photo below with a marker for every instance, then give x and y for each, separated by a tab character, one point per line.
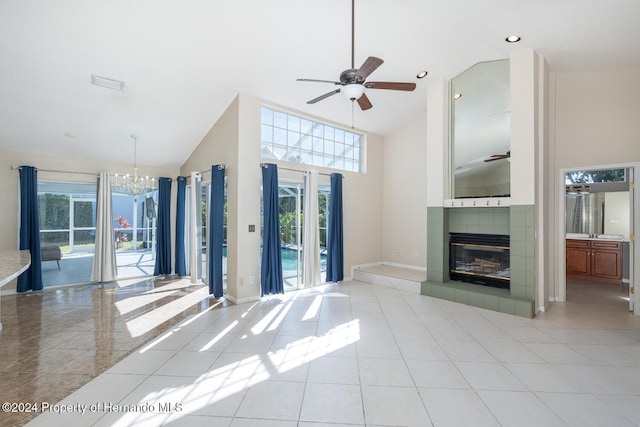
290	207
204	210
134	230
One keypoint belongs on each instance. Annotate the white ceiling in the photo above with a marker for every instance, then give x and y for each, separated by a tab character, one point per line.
183	62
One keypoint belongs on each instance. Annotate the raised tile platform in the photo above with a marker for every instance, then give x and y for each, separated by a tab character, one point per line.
391	276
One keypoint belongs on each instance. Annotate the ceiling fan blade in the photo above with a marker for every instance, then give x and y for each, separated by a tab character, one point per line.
368	67
364	102
321	97
496	157
390	85
319	81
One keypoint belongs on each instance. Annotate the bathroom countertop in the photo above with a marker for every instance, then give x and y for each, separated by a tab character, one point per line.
605	237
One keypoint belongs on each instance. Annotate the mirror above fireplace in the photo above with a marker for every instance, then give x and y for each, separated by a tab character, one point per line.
480	131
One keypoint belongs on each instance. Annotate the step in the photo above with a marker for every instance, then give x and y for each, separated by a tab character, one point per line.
396	277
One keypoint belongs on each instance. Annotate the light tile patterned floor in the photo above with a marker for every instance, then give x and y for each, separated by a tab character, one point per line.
359	354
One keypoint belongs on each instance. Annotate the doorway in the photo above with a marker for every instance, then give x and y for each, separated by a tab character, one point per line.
598	213
291	201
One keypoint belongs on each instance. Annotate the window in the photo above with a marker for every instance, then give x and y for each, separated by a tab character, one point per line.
595	176
299	140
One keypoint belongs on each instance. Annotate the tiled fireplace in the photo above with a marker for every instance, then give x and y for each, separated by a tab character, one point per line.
514	222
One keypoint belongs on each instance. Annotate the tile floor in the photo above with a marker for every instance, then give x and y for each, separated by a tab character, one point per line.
357	354
55	341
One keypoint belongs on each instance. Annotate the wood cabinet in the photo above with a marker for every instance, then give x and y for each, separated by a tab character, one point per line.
594	260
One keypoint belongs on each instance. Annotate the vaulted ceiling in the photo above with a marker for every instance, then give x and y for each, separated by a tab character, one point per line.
183	62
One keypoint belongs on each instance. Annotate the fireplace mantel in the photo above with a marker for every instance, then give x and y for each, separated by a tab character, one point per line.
479	202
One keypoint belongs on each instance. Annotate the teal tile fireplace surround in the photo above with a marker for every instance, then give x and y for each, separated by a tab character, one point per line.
518	222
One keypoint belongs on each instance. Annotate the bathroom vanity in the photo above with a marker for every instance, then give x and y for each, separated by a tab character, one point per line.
595	258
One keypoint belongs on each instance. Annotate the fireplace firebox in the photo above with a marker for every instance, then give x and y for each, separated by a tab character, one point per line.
481	259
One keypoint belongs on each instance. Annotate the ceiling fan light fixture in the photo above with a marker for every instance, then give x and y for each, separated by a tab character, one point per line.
352	91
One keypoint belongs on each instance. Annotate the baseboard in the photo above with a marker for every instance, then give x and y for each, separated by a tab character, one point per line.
238	301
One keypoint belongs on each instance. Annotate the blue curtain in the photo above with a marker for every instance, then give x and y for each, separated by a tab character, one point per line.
163	246
31	279
181	266
271	266
216	230
335	239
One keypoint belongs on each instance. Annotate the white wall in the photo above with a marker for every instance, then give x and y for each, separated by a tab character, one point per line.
595	116
404	194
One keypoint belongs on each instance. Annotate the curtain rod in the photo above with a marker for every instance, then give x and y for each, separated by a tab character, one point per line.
57	171
220	167
298	170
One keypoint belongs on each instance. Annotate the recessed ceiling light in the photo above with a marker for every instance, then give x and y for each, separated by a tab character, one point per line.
107	82
457	96
422	74
512	39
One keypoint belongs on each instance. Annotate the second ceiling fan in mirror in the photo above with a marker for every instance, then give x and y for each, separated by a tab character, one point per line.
353	81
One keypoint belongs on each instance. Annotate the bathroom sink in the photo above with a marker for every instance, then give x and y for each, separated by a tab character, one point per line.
579	236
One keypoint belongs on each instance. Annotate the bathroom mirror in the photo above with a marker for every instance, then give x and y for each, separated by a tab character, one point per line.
480	131
598	202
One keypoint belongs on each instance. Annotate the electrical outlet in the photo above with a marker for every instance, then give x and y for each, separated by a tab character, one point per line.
252	280
415	254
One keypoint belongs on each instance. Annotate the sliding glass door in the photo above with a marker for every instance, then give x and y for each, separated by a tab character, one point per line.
134	227
292	217
290	205
200	234
67	231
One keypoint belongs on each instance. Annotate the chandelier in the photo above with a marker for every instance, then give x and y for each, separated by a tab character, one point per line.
134	184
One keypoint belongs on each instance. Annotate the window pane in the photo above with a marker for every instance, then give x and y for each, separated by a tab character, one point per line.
54	211
306	126
329	147
293	123
266	133
318	145
83	214
279	120
280	136
318	160
267	116
306	158
306	142
295	139
279	151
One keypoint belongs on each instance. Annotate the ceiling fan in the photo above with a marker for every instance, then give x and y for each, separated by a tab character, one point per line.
495	157
353	80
